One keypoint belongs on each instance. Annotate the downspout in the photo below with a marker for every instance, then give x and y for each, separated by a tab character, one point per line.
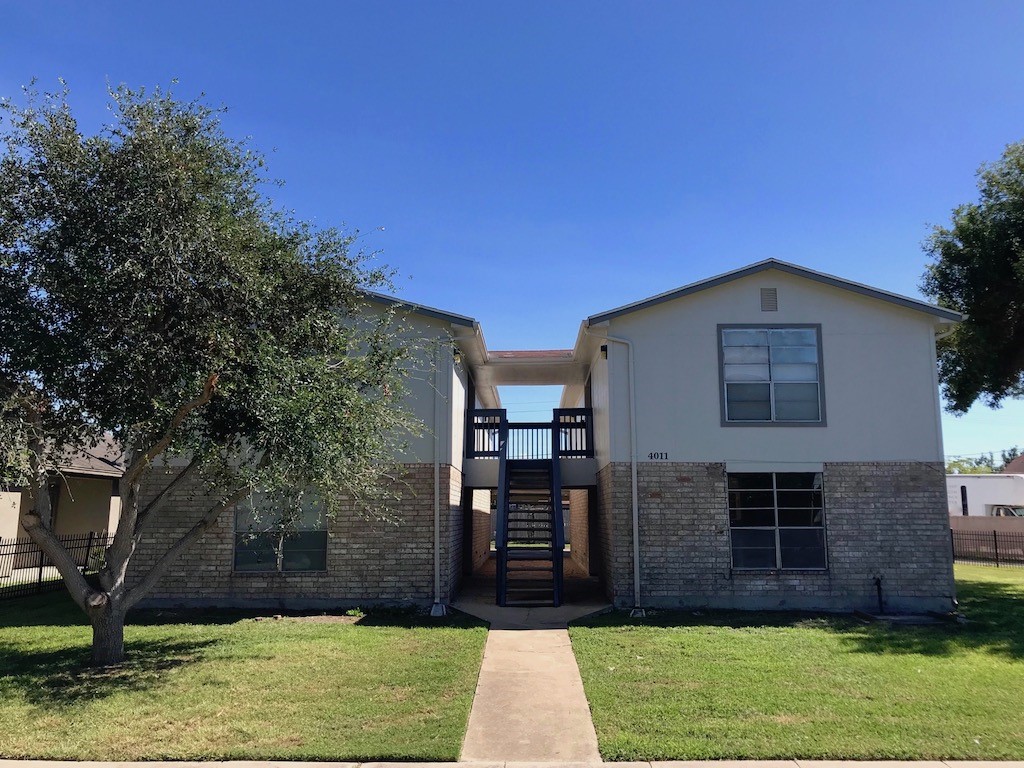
438	608
638	611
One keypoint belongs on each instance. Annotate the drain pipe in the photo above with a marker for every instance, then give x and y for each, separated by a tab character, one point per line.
637	612
438	608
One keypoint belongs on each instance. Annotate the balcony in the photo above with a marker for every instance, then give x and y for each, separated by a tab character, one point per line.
569	436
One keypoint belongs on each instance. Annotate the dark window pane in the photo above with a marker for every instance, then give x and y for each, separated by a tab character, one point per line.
799	498
798	480
753	549
749	393
255	552
796	402
809	517
802	548
748	402
739	481
744	499
797	412
305	551
745	518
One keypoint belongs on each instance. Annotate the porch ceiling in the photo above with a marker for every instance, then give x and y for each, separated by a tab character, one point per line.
530	367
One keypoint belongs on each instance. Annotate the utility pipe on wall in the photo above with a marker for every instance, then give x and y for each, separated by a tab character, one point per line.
638	611
438	608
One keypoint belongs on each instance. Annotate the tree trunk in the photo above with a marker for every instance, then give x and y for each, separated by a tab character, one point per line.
107	636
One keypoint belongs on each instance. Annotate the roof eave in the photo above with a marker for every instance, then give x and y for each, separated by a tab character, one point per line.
782	266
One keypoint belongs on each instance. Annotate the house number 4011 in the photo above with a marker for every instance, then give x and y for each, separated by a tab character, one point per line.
658	456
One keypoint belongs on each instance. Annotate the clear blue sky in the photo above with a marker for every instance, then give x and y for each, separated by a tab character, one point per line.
533	163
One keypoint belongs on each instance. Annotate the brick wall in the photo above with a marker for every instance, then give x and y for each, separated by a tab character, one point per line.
482	524
579	535
614	534
882	519
451	531
369	561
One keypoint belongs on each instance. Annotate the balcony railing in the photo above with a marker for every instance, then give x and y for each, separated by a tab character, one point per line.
489	433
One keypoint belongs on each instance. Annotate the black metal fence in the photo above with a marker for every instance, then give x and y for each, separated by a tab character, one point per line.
998	548
26	570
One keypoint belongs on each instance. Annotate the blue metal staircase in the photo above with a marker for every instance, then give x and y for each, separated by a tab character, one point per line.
530	534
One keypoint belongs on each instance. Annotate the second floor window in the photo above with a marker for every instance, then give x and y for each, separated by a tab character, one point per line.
771	375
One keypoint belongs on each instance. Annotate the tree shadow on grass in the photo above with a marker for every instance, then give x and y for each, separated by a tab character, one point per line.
57	609
63	678
994	612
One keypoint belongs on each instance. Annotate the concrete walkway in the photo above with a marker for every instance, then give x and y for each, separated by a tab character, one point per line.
506	764
529	704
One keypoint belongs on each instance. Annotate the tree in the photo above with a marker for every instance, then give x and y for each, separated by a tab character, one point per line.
979	270
151	292
966	465
1007	456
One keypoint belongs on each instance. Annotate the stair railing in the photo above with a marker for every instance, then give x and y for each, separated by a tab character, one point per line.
558	534
501	526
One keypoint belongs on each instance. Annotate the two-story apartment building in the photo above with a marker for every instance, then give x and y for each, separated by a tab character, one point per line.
767	438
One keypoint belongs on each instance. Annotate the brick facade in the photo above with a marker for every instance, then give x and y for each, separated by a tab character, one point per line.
885	519
579	534
482	527
368	561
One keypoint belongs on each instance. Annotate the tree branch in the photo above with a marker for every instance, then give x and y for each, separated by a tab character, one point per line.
158	502
84	595
136	593
132	473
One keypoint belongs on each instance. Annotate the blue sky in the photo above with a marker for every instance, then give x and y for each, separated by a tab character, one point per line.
533	163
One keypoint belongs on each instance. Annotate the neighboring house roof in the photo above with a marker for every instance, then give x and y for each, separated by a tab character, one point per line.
1015	467
105	459
421	309
782	266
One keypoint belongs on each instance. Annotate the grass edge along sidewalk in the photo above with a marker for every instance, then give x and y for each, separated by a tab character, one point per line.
731	685
221	686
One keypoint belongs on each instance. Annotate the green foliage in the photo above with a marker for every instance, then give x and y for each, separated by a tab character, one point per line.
985	464
979	270
139	262
151	291
971	465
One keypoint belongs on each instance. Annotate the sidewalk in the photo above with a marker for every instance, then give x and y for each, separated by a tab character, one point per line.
534	764
529	703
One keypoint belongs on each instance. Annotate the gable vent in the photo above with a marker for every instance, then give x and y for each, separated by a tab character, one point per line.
769	299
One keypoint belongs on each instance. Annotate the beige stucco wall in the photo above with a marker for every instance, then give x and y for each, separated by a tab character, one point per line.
84	505
881	399
436	391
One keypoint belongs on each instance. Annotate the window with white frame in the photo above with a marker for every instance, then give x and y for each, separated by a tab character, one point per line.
287	536
771	375
777	520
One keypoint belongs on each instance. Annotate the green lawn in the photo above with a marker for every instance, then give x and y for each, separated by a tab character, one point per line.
388	687
733	685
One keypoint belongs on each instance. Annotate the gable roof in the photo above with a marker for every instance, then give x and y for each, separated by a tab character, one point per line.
421	309
782	266
1015	467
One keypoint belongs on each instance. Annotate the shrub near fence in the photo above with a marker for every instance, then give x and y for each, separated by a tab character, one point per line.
997	548
26	570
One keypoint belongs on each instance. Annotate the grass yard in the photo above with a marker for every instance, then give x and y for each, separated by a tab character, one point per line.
732	685
388	687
